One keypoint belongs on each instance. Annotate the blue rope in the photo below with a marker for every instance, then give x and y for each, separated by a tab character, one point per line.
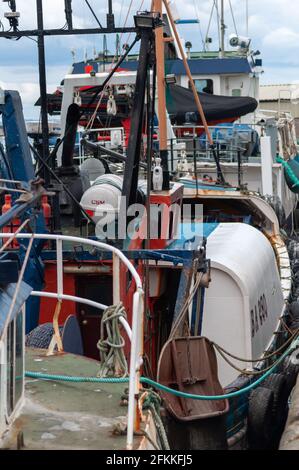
144	380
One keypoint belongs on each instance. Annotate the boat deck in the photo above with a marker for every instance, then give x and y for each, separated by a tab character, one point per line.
61	415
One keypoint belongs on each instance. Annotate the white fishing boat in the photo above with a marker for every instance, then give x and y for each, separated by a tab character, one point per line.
196	319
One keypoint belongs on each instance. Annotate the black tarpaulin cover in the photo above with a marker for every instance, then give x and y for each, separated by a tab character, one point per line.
216	108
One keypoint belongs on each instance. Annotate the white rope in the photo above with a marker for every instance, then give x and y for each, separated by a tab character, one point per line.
111	344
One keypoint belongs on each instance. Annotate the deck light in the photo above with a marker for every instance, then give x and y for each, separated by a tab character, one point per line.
147	20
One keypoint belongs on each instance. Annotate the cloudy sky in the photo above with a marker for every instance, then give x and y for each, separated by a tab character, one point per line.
273	26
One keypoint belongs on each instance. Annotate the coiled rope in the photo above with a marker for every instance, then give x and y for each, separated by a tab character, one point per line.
111	344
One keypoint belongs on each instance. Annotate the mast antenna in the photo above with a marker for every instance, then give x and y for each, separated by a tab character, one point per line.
247	18
222	31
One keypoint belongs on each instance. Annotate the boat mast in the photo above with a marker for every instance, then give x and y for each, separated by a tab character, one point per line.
157	6
43	87
247	18
194	91
222	32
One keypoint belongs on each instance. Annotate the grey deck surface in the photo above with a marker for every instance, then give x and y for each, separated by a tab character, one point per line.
60	415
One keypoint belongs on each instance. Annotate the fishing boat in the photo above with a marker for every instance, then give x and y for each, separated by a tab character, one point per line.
256	148
200	333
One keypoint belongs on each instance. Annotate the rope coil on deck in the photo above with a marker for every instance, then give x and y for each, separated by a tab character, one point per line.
111	345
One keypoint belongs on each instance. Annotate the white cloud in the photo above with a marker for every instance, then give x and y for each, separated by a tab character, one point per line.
282	38
273	26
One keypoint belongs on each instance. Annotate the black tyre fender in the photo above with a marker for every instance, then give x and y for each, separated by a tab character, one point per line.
290	371
260	418
277	383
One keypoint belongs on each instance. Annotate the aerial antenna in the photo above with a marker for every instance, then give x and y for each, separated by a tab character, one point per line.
247	18
73	52
222	30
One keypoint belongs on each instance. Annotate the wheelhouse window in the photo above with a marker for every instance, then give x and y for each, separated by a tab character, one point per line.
236	92
204	85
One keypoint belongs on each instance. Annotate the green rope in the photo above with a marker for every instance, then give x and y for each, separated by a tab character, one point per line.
294	179
65	378
153	402
152	383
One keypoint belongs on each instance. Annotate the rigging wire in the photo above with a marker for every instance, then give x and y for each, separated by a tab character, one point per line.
94	115
121	11
218	20
210	21
233	17
199	27
93	13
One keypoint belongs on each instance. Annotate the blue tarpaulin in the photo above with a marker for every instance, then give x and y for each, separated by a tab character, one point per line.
6	296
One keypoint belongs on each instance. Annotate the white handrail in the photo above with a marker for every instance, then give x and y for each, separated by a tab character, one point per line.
91	303
134	334
83	241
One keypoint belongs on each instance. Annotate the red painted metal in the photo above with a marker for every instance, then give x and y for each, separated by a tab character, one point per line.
47	211
47	307
12	228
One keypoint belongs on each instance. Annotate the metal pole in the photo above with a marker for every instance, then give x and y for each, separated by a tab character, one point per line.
194	91
110	15
134	146
93	13
68	13
222	28
162	109
247	18
43	86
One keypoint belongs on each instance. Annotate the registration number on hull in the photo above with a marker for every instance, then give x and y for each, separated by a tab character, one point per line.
259	315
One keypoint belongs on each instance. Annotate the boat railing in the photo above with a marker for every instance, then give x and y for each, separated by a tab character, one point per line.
134	331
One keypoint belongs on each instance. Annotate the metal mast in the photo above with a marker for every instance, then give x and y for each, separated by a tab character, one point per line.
247	18
43	86
161	105
222	31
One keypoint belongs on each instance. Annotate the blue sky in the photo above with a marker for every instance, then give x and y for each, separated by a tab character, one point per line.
273	26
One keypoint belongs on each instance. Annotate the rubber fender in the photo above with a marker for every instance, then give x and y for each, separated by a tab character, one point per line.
294	310
277	383
293	250
294	313
295	266
290	371
278	208
41	336
260	418
295	294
